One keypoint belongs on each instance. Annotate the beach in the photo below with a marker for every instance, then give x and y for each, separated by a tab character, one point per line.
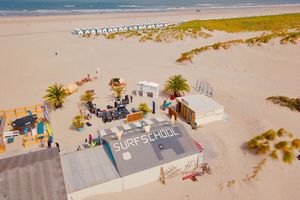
39	51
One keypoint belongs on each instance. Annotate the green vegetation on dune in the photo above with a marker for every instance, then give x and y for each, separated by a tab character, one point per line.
284	36
272	142
167	34
234	25
292	103
197	28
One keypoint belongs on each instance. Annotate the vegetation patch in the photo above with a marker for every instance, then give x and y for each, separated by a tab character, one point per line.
292	103
296	143
271	141
270	134
274	155
288	155
285	37
167	34
258	23
281	145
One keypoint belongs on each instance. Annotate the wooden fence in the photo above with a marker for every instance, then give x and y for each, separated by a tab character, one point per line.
134	117
21	112
14	114
173	112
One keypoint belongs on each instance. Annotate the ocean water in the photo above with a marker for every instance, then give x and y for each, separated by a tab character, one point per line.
52	7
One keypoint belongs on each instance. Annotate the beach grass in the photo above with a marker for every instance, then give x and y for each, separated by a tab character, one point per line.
271	141
257	23
167	34
292	103
284	36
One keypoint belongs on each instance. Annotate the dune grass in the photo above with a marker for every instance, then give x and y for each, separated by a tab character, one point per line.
292	103
285	37
198	29
271	142
166	34
257	23
296	143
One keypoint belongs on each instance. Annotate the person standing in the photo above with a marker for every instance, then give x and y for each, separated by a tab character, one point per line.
90	138
57	145
98	72
86	144
131	98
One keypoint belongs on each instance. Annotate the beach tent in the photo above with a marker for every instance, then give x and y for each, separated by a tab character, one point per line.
199	109
135	27
148	87
93	31
98	31
151	26
115	29
125	28
80	32
110	30
130	28
104	30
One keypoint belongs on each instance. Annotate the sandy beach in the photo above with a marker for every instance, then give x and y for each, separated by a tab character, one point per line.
242	77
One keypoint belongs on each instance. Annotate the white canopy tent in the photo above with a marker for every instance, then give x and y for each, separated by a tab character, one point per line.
148	87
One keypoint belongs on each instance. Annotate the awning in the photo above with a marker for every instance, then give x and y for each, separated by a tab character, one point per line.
24	121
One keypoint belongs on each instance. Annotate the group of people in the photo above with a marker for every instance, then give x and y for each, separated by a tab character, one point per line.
87	143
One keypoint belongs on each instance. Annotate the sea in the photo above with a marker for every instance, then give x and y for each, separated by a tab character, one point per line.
58	7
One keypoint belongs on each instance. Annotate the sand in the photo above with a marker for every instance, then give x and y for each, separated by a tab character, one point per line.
242	78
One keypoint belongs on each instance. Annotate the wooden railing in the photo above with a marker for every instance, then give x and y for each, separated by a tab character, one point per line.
134	117
21	112
14	114
172	112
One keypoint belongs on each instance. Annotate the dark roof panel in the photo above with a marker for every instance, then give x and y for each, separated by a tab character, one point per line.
140	150
33	176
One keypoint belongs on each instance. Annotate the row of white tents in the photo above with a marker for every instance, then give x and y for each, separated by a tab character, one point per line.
125	28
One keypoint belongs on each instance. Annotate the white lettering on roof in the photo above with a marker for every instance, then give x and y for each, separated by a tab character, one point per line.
144	139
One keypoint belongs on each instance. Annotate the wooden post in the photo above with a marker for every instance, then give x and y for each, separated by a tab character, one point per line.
162	176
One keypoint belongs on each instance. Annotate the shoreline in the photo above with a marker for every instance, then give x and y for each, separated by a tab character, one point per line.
151	17
80	12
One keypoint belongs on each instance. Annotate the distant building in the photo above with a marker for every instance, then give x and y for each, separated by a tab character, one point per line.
106	30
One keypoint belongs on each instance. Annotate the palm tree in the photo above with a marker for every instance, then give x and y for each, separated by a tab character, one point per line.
87	96
118	91
176	84
56	95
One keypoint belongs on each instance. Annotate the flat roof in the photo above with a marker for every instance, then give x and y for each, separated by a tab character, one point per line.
200	103
137	151
86	168
32	176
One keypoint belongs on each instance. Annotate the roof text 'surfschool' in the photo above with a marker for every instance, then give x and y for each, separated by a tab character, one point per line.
143	139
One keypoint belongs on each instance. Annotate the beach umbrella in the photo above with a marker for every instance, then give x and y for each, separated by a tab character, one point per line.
24	121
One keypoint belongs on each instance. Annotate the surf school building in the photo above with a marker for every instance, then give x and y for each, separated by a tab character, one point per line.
129	160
